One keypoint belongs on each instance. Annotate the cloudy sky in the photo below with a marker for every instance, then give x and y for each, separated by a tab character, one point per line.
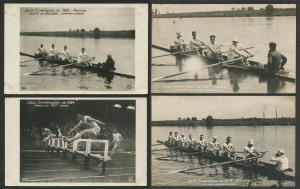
225	107
104	18
164	8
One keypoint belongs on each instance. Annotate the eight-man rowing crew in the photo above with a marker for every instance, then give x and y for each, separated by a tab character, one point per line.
94	129
82	58
276	60
226	150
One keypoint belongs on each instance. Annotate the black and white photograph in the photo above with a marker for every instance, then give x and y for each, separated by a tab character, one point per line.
225	141
78	141
223	48
80	48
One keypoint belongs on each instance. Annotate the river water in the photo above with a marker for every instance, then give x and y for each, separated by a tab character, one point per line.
252	31
267	138
63	79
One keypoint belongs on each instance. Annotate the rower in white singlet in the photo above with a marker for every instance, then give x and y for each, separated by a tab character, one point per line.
85	120
201	144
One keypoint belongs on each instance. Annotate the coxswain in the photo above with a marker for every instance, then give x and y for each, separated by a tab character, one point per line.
215	147
170	137
65	56
195	43
53	52
183	140
276	60
85	121
83	58
117	138
179	42
109	64
42	50
214	49
282	161
228	150
201	144
235	51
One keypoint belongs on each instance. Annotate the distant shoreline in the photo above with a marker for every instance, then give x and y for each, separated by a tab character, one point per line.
231	13
89	34
229	122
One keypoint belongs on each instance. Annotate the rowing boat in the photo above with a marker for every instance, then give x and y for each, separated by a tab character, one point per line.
251	68
94	67
262	167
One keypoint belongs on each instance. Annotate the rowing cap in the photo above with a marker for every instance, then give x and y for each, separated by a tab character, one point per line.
194	32
215	137
182	134
235	39
251	141
178	34
281	151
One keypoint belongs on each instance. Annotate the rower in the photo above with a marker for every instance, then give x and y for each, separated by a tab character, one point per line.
195	43
53	52
83	59
276	60
183	140
201	144
175	140
282	161
109	64
215	147
117	138
42	50
235	52
65	55
191	141
250	150
228	150
214	49
179	42
170	137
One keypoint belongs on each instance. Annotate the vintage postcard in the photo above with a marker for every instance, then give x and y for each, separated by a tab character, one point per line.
223	48
76	48
67	141
224	141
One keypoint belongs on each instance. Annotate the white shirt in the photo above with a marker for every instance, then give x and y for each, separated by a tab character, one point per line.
227	146
215	144
178	42
193	42
191	141
231	52
53	50
81	57
170	138
183	139
247	149
65	52
282	162
117	137
89	122
201	142
176	138
216	47
42	49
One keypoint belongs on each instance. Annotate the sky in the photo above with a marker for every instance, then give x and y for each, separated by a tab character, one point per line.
221	107
104	18
179	8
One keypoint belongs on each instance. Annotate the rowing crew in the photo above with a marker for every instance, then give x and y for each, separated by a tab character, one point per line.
82	58
226	150
276	60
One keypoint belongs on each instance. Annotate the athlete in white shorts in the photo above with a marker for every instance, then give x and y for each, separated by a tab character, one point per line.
117	138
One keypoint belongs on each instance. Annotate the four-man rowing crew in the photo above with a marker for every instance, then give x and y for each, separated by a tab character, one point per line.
276	60
82	59
226	150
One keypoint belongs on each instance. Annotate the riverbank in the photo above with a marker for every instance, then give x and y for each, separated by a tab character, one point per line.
85	34
232	13
229	122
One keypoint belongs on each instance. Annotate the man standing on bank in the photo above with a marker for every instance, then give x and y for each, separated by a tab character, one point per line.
276	60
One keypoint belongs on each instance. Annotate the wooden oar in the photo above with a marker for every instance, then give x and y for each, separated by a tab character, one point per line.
38	72
179	155
181	73
157	144
32	60
217	164
175	53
